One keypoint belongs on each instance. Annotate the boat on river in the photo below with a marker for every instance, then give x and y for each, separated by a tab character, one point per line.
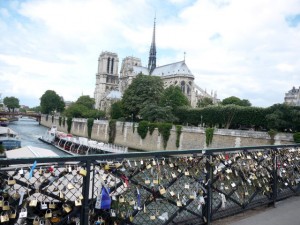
9	139
4	122
78	145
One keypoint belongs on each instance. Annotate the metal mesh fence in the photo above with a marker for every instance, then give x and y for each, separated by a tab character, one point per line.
191	187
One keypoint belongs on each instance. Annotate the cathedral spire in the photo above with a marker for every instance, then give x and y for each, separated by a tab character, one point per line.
152	53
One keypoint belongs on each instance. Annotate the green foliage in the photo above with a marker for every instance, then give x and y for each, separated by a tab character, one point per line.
143	129
116	110
64	121
11	103
36	109
296	137
156	113
133	127
1	149
50	102
223	116
52	118
173	97
272	133
203	102
283	117
209	133
112	131
178	133
235	101
87	101
81	111
59	121
152	127
69	124
143	91
90	123
165	130
47	117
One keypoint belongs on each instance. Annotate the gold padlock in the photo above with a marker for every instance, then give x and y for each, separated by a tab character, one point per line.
106	167
52	205
13	214
82	172
67	208
1	201
36	221
162	190
33	202
5	206
48	213
4	217
11	181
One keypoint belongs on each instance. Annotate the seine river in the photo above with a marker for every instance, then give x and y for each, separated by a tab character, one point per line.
29	131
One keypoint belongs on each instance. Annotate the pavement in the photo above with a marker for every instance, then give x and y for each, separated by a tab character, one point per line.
286	212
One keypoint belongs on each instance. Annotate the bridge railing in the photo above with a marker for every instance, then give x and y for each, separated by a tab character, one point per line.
166	187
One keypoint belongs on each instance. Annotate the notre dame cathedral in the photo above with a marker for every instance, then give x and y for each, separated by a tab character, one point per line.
110	86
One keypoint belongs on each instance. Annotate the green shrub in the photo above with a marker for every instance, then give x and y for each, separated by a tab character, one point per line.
296	137
112	131
64	121
52	118
1	149
165	130
178	133
209	133
152	127
90	123
69	123
143	129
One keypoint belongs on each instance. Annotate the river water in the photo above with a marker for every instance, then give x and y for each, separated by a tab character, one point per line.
29	131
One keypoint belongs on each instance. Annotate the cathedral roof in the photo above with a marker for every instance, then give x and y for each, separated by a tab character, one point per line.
172	69
177	68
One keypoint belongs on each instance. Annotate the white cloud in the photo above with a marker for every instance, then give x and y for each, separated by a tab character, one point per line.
238	47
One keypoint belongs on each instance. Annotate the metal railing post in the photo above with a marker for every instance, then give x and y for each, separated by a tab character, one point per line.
84	216
209	179
275	177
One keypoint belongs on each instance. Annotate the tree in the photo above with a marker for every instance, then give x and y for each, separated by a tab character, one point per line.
203	102
76	111
86	101
235	101
50	102
156	113
11	103
143	91
173	97
116	111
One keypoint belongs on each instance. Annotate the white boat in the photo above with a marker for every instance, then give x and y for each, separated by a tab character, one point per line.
9	139
78	145
49	135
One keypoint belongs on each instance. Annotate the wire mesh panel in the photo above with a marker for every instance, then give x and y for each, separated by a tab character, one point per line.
170	187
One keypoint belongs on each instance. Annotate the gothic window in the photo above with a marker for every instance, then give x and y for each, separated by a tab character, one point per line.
183	86
112	66
108	63
188	90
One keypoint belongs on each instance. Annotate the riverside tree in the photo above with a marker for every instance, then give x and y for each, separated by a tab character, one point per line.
11	103
143	91
50	102
235	101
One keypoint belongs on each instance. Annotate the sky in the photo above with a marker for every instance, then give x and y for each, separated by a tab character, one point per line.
244	48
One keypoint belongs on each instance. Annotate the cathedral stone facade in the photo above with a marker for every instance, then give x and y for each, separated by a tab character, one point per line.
110	86
292	97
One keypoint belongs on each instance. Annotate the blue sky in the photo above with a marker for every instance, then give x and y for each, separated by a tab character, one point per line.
248	49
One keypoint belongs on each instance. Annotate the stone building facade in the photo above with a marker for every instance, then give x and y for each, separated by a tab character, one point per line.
108	83
292	97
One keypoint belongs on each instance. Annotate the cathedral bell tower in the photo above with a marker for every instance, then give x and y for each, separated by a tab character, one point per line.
107	78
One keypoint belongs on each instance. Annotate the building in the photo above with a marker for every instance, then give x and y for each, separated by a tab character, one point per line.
110	86
292	97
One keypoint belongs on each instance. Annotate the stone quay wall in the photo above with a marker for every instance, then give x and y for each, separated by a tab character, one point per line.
190	138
